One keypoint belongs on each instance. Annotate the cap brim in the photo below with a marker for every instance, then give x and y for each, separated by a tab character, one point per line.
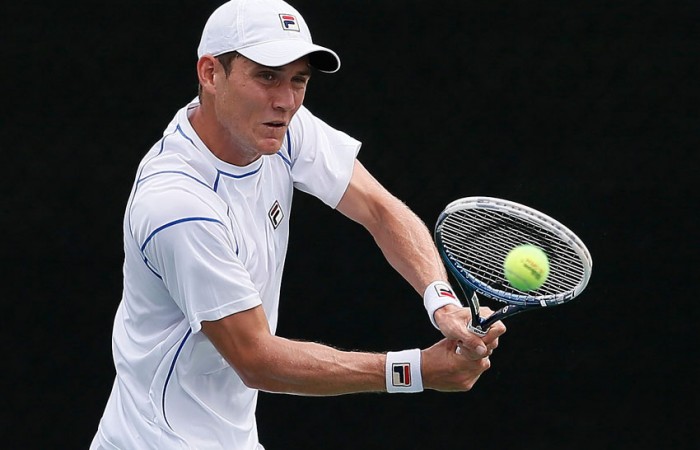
279	53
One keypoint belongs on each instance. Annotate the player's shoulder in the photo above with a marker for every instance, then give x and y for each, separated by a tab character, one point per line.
175	181
178	152
171	188
160	206
176	161
183	189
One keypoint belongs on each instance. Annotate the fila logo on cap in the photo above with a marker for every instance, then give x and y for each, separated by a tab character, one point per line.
275	214
401	374
289	22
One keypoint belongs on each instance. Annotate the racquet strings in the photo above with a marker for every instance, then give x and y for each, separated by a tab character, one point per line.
480	239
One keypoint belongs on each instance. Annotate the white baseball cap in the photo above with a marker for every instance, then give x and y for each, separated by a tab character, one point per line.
269	32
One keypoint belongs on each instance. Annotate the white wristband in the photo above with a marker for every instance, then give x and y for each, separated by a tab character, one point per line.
437	295
403	372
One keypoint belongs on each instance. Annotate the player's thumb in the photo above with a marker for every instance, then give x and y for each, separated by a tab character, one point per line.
472	347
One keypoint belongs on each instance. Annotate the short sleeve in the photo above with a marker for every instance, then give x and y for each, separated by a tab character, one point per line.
193	250
322	157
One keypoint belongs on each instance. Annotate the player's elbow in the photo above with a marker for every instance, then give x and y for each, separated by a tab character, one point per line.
252	379
253	375
257	373
262	382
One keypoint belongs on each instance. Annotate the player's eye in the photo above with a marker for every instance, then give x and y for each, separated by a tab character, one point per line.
267	76
300	81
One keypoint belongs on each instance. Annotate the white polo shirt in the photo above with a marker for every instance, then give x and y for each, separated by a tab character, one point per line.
204	239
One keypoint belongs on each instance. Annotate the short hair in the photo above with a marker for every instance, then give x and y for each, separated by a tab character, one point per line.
226	61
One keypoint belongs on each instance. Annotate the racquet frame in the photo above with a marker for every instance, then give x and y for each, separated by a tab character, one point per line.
458	227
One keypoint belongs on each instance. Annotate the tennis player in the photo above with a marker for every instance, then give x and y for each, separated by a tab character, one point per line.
205	238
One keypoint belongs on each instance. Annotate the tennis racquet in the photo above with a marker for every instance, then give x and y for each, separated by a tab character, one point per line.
474	235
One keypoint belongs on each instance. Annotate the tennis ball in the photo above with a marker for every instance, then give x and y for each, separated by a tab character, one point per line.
526	267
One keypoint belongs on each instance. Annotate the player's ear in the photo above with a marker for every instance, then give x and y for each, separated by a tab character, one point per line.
206	66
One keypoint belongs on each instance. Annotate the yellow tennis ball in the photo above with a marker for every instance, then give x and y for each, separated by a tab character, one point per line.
526	267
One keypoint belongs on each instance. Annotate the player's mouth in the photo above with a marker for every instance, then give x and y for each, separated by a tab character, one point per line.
275	124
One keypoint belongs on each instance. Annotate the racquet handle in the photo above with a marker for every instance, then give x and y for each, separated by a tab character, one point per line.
479	330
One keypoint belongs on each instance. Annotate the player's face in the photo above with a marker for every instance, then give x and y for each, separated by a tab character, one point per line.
255	104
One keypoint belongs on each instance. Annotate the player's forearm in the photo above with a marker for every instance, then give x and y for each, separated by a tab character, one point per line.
407	245
400	234
272	363
307	368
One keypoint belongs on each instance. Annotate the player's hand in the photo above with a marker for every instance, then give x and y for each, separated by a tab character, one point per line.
453	322
445	370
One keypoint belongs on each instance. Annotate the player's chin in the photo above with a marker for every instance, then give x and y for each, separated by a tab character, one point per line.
269	145
271	141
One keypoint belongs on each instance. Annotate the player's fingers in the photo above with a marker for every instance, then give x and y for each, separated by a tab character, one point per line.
473	347
493	345
497	329
471	357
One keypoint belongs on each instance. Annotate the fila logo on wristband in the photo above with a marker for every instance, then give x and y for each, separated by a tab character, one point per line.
401	374
403	371
444	290
438	294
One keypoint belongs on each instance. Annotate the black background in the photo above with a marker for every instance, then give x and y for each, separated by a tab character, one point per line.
587	111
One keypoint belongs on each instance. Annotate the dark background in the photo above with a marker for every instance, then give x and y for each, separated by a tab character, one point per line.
587	111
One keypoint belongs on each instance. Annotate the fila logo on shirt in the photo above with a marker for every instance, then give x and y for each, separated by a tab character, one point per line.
401	374
275	214
289	22
444	290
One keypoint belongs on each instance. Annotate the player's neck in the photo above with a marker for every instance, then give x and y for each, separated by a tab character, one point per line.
217	140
